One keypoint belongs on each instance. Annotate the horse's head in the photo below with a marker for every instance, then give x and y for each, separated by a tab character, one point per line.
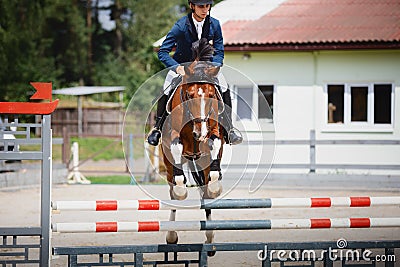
201	97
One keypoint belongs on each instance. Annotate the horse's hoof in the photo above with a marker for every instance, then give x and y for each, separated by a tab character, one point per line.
180	192
211	253
214	189
172	238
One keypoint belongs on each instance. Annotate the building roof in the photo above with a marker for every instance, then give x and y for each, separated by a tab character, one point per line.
87	90
238	9
316	24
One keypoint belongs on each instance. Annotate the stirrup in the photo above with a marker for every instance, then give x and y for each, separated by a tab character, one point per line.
239	136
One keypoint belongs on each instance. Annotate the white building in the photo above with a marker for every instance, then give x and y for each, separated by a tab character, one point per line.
328	66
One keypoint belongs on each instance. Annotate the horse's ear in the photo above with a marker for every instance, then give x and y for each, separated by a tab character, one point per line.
212	71
189	69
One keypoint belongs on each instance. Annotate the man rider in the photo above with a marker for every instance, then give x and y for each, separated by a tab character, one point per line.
187	30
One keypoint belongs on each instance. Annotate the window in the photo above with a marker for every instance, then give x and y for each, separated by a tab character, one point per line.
244	102
359	103
265	95
335	103
382	101
369	104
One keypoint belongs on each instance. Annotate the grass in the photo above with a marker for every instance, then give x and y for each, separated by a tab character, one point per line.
112	179
119	179
99	148
95	148
106	148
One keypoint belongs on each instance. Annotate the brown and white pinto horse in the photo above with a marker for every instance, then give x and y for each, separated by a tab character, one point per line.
195	134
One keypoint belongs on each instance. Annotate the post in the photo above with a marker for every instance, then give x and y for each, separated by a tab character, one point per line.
65	145
75	176
46	183
147	159
80	116
312	151
156	162
121	112
203	260
130	162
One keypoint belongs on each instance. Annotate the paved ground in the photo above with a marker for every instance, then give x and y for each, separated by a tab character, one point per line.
20	208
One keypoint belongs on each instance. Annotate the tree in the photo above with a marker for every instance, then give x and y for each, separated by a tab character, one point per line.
139	24
63	41
23	50
41	40
66	27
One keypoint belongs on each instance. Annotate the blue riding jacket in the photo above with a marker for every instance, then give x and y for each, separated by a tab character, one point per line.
182	35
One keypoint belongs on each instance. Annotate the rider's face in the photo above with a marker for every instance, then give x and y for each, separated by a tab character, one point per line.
201	11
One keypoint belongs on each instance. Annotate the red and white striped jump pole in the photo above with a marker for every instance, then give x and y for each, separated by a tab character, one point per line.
325	202
157	226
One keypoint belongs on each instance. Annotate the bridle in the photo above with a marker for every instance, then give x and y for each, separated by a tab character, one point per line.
185	100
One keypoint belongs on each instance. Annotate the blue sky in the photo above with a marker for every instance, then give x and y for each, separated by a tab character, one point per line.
104	16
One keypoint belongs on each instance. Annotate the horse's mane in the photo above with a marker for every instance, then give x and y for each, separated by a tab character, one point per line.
202	50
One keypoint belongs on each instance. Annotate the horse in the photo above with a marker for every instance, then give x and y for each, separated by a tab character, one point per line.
195	137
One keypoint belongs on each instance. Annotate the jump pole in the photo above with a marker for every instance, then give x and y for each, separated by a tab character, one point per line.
159	226
326	202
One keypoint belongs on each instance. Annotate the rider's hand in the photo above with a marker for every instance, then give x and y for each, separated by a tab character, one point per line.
180	70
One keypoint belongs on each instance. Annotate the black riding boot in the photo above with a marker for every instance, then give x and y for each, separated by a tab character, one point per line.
155	135
230	136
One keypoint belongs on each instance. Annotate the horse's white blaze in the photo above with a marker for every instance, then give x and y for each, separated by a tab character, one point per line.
216	146
203	113
176	151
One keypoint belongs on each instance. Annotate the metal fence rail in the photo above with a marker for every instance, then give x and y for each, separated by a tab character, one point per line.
312	143
15	251
266	253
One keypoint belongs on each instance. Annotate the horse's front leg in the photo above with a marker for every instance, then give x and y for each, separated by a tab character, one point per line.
177	184
214	187
179	190
172	236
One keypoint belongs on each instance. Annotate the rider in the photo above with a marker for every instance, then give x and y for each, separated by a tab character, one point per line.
187	30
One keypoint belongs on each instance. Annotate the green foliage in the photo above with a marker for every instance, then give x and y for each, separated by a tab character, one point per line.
23	49
63	41
65	26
